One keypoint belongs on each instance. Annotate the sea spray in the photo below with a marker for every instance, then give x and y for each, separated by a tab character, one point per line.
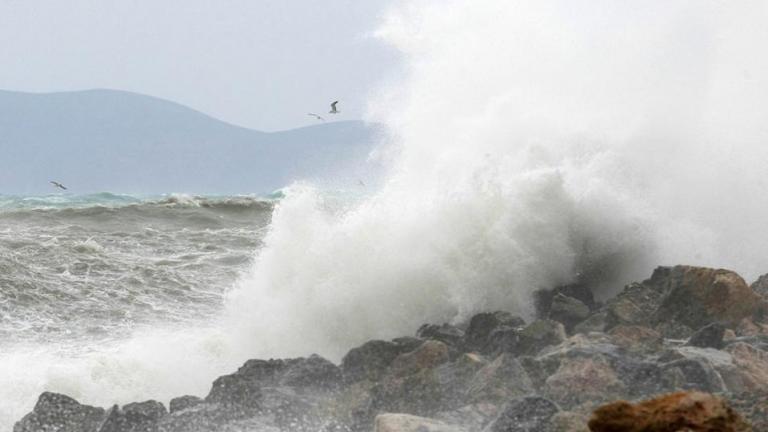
536	144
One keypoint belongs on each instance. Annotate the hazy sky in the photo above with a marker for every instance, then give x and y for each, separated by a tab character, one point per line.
258	63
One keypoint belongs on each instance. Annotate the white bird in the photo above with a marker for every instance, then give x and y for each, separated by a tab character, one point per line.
58	185
316	116
333	108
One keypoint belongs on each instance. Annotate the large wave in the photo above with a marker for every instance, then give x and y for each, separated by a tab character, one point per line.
534	144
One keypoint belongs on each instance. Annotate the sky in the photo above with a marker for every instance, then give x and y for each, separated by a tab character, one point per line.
262	64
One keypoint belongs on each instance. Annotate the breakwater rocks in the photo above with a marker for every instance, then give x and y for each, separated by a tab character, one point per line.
697	331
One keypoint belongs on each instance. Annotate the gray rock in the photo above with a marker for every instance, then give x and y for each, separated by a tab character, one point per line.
760	286
568	311
538	335
709	336
527	414
371	360
502	379
134	417
482	325
410	423
594	323
60	413
183	402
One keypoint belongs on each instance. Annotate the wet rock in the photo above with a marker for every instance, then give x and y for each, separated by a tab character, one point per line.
527	414
567	310
693	411
752	364
594	323
427	356
482	325
692	374
57	412
502	379
183	402
709	336
371	360
634	305
636	339
134	417
699	296
446	333
313	372
583	379
411	423
543	298
538	335
760	286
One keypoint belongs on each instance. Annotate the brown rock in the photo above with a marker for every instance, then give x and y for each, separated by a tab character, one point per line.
676	412
698	296
430	354
752	365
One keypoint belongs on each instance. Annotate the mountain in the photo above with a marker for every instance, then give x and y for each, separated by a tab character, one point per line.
108	140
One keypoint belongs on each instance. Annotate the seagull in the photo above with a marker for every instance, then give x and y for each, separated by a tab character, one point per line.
333	108
316	116
58	185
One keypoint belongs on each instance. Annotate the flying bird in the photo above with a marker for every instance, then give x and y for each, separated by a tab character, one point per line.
316	116
58	185
333	108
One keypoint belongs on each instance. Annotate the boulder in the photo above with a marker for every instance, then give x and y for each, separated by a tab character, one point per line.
583	379
526	414
410	423
183	402
634	305
60	413
371	360
709	336
543	298
446	333
694	411
134	417
752	364
594	323
697	296
502	379
567	310
538	335
482	325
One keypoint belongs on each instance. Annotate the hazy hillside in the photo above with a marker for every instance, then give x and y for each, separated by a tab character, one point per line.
106	140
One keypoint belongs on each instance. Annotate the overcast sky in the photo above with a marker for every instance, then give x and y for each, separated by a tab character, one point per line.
258	63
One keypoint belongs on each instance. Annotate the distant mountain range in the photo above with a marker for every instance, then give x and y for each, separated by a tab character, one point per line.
107	140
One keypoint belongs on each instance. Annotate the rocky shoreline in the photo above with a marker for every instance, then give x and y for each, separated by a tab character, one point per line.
697	330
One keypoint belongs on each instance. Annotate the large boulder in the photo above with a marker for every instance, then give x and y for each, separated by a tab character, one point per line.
539	335
526	414
371	360
446	333
760	286
751	364
697	296
700	412
183	402
410	423
60	413
709	336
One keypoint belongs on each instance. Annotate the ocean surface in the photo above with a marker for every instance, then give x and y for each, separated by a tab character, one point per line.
81	274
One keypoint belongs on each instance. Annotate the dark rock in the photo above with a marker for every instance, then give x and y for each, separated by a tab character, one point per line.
568	311
445	333
709	336
482	325
135	417
634	305
691	374
60	413
538	335
371	360
636	339
527	414
313	372
543	298
183	402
